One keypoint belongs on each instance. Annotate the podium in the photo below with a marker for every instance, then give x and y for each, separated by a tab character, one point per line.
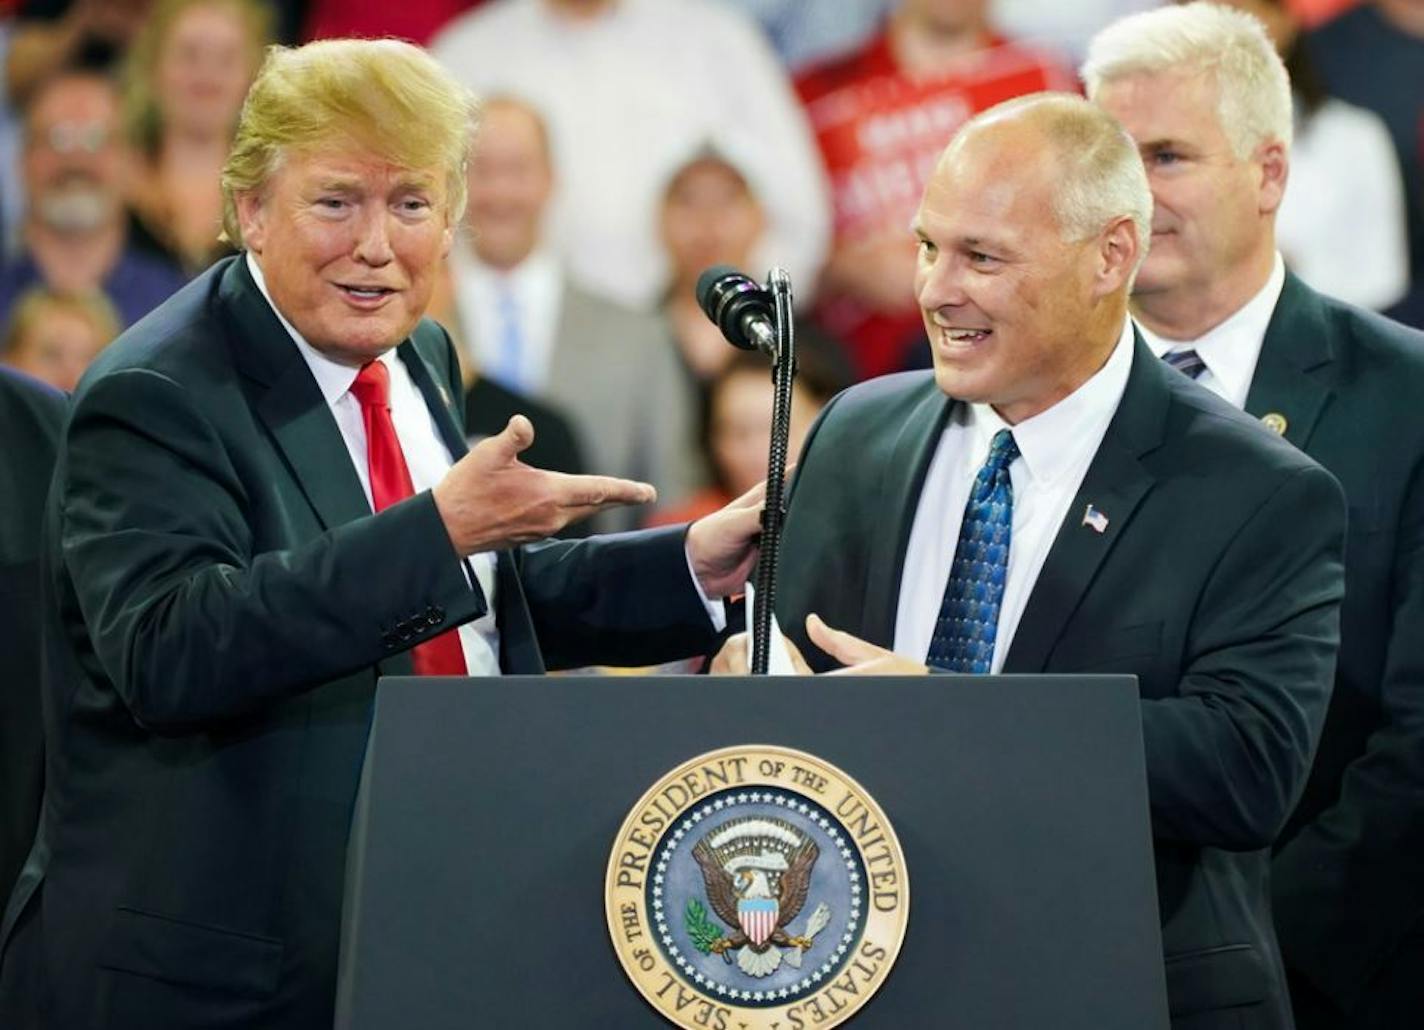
488	810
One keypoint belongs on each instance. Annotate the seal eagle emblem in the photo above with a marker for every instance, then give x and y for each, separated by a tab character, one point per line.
757	872
757	887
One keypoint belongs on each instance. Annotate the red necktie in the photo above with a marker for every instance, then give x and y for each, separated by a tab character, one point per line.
390	483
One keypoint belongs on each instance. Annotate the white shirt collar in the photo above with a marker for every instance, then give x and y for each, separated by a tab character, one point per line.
534	272
333	378
1231	349
1056	439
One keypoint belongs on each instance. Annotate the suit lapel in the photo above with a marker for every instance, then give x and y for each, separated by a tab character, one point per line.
900	483
1114	485
290	403
437	399
518	643
1291	378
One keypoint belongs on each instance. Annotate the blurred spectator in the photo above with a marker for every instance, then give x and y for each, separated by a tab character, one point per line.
806	31
1063	27
53	336
37	37
50	34
1373	56
629	88
75	235
12	198
710	216
736	428
184	83
1341	226
415	20
557	447
882	116
528	326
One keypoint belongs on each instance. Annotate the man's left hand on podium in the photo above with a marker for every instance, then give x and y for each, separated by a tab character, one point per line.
858	657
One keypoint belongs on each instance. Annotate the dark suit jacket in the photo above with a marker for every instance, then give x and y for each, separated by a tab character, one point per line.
30	414
1349	881
1217	582
222	603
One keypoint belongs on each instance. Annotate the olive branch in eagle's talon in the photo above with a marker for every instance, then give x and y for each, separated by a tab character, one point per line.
706	936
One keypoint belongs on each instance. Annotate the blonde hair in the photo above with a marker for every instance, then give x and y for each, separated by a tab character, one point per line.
38	301
142	119
379	95
1099	175
1253	92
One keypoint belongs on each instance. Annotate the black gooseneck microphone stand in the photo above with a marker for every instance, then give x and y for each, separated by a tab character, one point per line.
773	515
756	317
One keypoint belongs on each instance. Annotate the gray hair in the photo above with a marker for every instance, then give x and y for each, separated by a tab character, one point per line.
1253	101
1100	177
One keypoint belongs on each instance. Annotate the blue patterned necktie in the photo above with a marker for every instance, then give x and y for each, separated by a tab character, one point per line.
1188	362
968	621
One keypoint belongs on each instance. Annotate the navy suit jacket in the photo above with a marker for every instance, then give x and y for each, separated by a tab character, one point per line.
1217	582
1349	878
30	416
221	604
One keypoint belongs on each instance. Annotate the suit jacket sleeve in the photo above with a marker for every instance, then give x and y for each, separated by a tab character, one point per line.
619	599
189	620
1227	756
1350	884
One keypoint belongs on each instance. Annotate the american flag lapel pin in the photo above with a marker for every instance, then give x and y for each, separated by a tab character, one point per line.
1095	519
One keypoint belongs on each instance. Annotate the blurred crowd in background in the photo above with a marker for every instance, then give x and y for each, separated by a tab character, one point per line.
625	146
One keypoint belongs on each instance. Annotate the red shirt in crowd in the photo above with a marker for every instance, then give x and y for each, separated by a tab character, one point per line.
880	132
415	20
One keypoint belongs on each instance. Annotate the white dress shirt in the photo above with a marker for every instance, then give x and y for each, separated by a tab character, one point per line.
426	456
1056	447
537	289
1230	350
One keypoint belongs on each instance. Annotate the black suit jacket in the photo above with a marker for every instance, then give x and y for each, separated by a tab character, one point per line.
222	602
1349	880
1217	581
30	414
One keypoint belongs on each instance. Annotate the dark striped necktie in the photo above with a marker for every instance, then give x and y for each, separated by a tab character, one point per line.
968	621
1188	362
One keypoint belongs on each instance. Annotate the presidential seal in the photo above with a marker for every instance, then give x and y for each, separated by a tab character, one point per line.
757	888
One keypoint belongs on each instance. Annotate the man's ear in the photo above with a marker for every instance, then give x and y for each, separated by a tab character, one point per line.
1116	257
1274	162
251	219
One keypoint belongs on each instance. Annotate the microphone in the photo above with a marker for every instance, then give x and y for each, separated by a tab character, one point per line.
741	308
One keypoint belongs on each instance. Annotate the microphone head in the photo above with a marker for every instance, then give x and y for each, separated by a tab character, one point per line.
708	282
733	301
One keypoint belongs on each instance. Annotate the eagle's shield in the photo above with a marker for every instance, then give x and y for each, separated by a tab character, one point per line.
758	918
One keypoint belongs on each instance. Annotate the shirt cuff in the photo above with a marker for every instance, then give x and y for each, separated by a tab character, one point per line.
716	610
